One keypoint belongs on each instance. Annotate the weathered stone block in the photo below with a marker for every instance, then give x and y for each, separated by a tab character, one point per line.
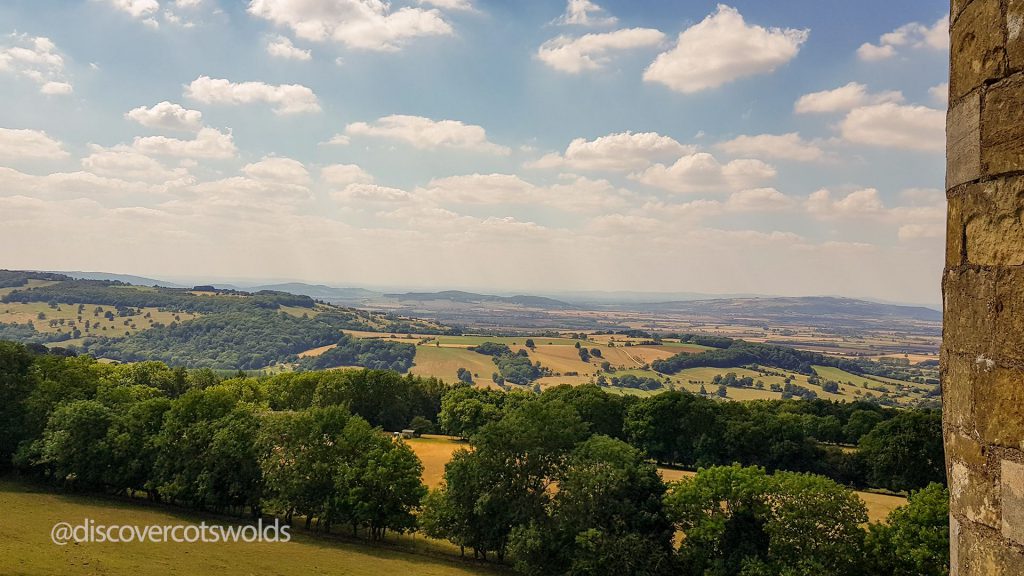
993	233
963	141
1002	127
983	554
973	495
976	47
1015	34
955	229
969	297
957	396
999	404
1012	489
966	450
1009	332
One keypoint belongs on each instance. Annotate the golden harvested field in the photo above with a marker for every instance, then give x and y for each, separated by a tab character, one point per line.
434	452
29	514
444	363
312	352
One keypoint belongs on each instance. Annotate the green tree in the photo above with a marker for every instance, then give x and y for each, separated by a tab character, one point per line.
914	540
607	517
74	444
16	383
906	452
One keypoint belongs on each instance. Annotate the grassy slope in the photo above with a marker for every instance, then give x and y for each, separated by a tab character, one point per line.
26	549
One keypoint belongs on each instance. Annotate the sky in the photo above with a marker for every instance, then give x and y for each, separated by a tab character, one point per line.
785	148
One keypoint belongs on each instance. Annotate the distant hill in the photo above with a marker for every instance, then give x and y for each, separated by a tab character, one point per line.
320	291
126	278
827	308
473	298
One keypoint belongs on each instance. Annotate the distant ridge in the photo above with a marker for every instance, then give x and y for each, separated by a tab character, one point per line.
474	298
813	307
126	278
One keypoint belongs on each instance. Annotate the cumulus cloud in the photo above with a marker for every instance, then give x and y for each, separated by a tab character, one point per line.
35	58
622	151
758	200
282	47
278	169
856	203
896	126
591	51
209	143
29	145
843	98
702	172
464	5
585	13
286	98
142	10
344	174
167	116
782	146
577	194
365	24
940	94
427	134
723	48
914	34
125	163
366	192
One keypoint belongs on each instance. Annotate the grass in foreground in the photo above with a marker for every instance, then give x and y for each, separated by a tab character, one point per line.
30	512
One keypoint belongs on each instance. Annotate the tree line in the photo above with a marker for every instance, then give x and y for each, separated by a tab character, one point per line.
898	450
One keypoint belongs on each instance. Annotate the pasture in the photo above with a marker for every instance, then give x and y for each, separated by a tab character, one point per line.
29	514
103	321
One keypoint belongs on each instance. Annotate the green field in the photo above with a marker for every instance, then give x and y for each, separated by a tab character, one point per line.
65	318
26	548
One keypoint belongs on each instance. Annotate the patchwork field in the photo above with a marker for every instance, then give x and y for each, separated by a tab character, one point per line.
26	548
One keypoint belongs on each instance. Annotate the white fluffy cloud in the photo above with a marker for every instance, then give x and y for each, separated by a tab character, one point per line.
365	24
782	146
896	126
722	48
286	98
465	5
843	98
125	163
585	13
914	34
577	194
857	203
590	51
702	172
282	47
35	58
337	175
427	134
758	200
29	145
209	143
623	151
277	169
143	10
940	93
167	116
366	192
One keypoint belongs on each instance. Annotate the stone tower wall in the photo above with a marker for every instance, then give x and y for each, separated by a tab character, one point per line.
983	288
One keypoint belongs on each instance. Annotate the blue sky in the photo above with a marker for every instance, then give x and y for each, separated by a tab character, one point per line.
780	148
